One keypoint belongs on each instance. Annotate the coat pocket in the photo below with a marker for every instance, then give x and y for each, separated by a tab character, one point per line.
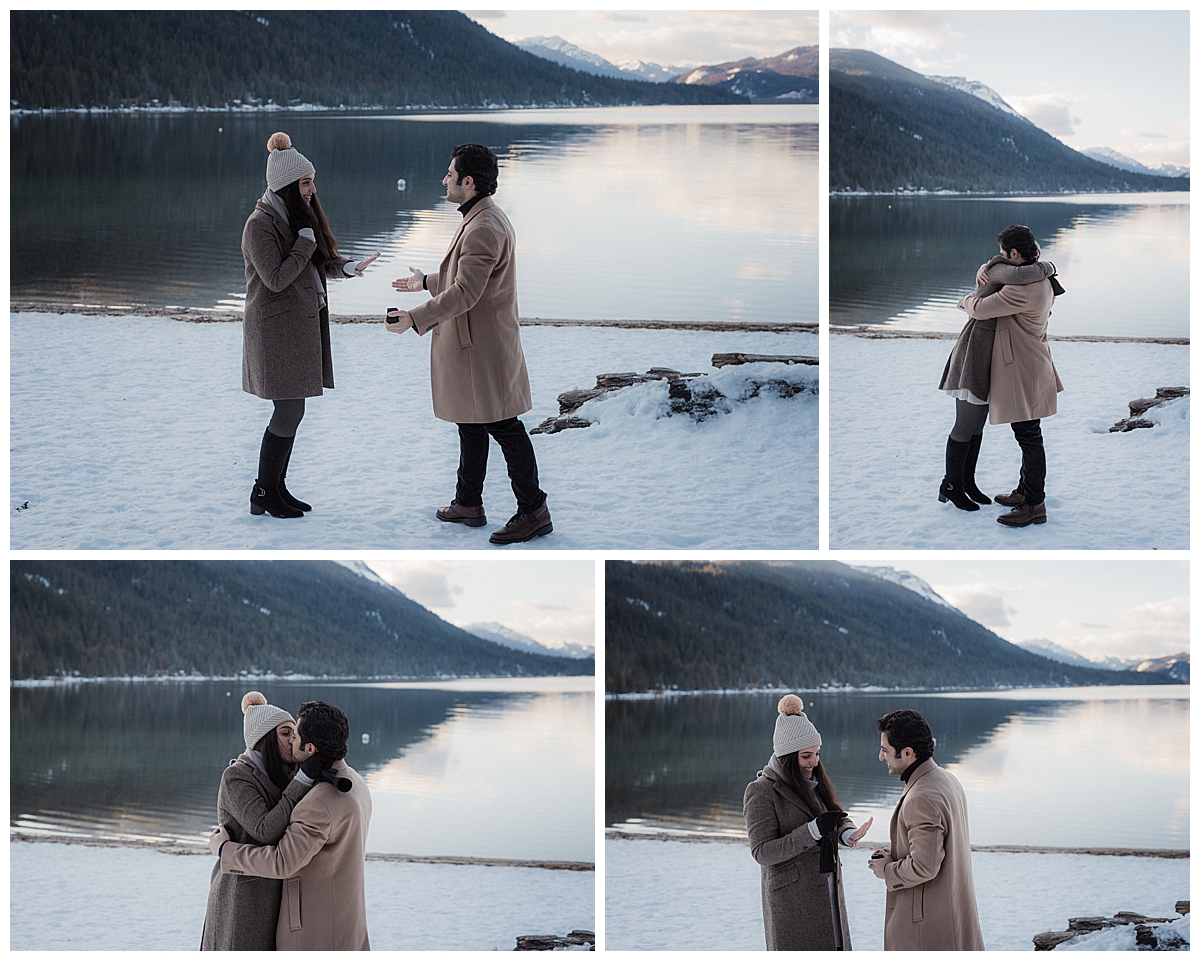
292	886
275	306
1005	338
918	904
783	877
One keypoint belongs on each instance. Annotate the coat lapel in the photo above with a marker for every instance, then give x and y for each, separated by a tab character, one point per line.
787	792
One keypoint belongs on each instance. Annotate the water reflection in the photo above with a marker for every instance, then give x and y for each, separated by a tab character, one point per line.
1056	772
465	772
905	262
702	216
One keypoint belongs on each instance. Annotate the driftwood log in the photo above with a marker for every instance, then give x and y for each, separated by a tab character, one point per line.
699	400
1149	934
556	942
1143	404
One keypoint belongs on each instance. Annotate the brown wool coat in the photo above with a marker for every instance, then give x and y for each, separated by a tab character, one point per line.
476	365
320	857
795	895
243	911
1025	383
930	887
285	336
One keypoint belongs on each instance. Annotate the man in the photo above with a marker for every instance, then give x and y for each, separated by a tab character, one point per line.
1024	382
322	853
930	889
476	365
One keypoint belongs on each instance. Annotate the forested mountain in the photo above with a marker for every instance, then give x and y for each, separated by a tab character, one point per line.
893	129
116	618
211	58
794	76
729	624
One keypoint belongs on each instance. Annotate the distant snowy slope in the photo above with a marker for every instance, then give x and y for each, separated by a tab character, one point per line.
360	568
910	581
1107	155
1047	648
561	51
982	91
499	634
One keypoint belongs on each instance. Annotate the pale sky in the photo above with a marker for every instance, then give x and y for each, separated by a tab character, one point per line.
1120	608
554	602
1092	79
665	37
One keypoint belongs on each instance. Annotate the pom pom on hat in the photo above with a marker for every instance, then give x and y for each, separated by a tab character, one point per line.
252	698
279	141
790	704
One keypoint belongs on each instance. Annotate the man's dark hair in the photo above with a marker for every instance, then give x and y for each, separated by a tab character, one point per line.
478	162
324	725
907	729
1020	238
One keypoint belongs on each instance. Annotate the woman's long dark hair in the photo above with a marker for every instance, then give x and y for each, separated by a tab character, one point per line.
825	789
278	770
300	214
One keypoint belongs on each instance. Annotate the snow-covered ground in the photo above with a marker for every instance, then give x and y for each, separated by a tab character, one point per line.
888	425
680	895
130	432
74	897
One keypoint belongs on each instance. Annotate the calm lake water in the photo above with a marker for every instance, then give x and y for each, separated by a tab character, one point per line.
1081	767
651	213
500	769
904	262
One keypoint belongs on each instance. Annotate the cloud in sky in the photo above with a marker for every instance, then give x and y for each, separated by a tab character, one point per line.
983	602
427	584
1050	111
891	33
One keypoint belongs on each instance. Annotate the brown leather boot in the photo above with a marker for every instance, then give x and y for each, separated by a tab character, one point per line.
524	527
456	513
1024	514
1015	499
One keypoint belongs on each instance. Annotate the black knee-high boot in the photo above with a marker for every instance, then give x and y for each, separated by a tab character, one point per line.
969	486
265	496
288	497
952	484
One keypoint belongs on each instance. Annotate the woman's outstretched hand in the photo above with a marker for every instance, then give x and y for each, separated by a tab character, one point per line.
217	838
860	833
410	284
359	268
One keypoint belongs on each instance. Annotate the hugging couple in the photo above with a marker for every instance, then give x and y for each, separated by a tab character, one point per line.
292	837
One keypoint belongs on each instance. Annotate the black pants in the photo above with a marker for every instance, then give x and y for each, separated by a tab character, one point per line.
518	455
1033	460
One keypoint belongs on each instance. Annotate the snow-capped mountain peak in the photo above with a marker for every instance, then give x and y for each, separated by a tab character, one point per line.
909	581
564	47
980	90
1107	155
499	634
362	570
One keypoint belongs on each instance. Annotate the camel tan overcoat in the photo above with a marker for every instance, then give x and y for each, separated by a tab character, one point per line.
285	334
476	365
1025	383
795	895
320	857
930	887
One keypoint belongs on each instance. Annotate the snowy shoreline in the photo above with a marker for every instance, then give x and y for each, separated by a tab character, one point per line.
82	897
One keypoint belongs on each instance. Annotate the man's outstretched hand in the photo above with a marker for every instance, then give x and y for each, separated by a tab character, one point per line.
217	838
410	284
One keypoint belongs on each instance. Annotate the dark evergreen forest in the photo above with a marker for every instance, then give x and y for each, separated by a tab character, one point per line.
893	129
734	625
212	58
116	618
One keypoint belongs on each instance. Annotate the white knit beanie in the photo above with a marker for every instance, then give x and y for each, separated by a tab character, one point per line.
260	718
793	730
285	164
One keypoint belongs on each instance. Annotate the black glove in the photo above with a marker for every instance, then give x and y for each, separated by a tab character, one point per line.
314	765
828	822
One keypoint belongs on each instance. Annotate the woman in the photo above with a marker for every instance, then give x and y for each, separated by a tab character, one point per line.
289	250
782	809
968	374
258	792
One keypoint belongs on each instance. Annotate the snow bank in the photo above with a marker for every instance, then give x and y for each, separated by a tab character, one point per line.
74	897
888	425
133	432
1124	938
705	895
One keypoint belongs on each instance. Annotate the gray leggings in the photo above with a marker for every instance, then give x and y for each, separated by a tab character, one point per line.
287	417
968	420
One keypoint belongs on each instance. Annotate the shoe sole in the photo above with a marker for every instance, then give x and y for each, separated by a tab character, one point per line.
540	532
1036	520
256	511
468	521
